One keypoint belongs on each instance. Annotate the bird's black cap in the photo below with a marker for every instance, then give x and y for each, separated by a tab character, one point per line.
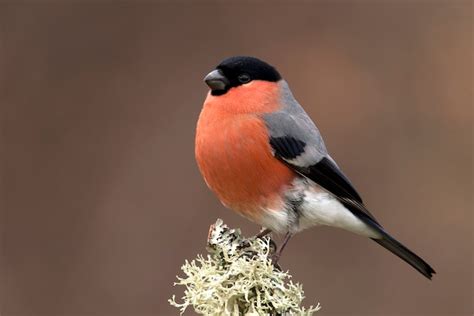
238	70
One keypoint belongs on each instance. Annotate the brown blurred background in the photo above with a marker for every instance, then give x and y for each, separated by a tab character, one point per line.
101	197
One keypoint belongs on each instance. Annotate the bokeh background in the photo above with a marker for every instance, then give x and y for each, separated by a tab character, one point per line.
102	200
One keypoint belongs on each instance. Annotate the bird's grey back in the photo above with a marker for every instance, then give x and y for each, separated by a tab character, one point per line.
292	121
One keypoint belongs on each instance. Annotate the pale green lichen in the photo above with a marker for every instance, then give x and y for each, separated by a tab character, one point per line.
238	278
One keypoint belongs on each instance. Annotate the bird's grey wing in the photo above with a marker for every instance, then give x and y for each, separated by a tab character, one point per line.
296	141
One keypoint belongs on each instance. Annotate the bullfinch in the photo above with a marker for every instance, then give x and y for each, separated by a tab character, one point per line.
264	158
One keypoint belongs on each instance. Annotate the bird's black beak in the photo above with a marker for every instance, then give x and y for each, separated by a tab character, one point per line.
216	80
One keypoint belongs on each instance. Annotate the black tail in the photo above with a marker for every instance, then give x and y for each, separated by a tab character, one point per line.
405	254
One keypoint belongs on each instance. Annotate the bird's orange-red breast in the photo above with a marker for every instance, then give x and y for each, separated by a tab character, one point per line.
233	152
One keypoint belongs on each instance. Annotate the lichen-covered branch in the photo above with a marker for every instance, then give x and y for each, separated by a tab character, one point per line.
238	278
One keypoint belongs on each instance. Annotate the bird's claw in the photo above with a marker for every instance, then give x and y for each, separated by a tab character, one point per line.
274	259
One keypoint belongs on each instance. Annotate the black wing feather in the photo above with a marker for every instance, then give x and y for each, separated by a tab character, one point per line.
326	174
330	177
287	147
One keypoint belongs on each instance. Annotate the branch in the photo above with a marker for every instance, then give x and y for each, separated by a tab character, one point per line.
238	278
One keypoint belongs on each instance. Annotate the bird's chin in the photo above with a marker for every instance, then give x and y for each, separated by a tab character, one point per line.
217	92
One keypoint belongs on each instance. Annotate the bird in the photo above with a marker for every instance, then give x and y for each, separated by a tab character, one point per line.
263	156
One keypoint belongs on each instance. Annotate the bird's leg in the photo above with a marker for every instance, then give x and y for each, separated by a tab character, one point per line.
263	233
276	256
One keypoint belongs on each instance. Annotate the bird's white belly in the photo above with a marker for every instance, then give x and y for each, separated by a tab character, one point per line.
317	207
322	208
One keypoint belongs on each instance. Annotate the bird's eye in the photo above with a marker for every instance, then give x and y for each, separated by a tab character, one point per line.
244	78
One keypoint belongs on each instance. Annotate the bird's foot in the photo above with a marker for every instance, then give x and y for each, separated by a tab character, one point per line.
263	233
274	259
271	244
